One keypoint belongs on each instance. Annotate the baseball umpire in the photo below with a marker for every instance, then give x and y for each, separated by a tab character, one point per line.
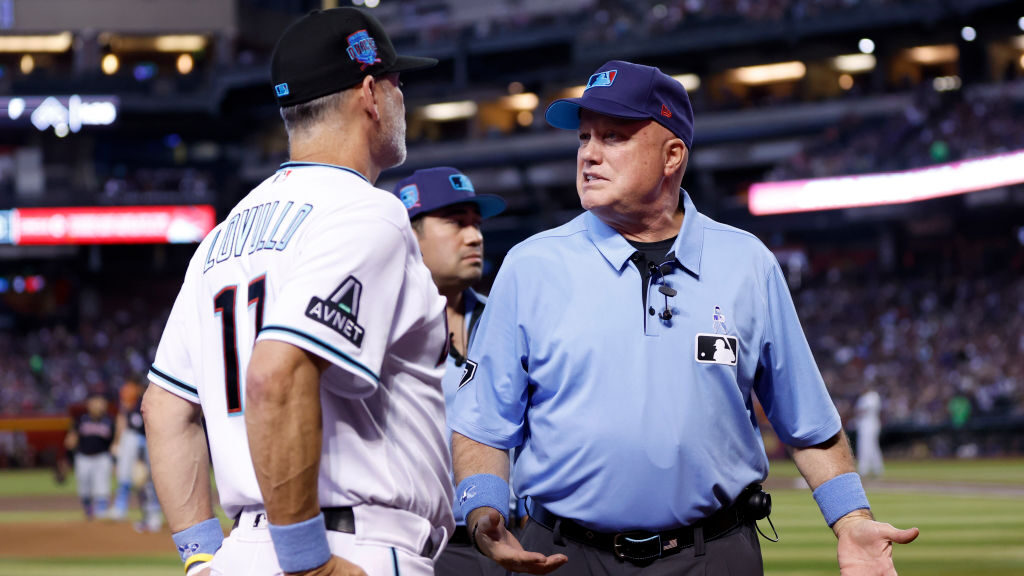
309	336
446	212
638	448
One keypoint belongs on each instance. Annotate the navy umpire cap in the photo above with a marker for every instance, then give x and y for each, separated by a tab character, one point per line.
629	91
433	188
327	51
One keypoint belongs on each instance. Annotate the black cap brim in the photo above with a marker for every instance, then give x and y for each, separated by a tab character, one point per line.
411	64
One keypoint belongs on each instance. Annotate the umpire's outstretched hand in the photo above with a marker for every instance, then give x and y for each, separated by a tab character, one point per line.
500	545
865	546
336	566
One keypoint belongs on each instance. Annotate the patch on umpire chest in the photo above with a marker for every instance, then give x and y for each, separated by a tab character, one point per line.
340	312
716	349
468	374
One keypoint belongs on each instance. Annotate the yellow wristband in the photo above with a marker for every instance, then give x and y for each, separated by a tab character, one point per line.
195	559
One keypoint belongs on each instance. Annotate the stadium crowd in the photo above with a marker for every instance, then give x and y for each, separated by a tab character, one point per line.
938	127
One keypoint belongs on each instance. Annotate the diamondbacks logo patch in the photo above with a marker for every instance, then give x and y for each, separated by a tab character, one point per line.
340	311
716	349
363	49
468	374
602	79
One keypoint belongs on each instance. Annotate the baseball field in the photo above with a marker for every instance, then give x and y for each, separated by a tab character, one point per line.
971	516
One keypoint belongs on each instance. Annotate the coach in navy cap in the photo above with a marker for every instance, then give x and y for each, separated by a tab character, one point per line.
446	213
637	449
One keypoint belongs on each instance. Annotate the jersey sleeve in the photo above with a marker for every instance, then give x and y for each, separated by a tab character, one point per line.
173	369
789	384
340	296
490	403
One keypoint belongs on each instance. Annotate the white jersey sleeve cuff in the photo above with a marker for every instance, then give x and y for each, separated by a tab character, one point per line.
173	385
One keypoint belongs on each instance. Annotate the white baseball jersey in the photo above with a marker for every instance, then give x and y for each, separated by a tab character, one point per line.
317	257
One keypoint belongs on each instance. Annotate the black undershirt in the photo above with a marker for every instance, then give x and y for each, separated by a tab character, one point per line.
646	254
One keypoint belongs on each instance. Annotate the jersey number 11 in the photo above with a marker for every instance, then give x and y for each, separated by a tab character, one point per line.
224	306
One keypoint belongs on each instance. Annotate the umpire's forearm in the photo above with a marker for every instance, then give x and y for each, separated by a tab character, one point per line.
822	462
285	429
178	458
470	457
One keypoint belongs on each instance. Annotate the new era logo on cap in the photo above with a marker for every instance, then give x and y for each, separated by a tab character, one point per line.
606	78
665	111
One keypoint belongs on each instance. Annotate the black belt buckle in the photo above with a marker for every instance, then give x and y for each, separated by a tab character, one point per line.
637	546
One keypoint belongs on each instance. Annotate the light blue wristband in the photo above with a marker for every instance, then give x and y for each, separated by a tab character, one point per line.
840	496
203	538
480	490
301	546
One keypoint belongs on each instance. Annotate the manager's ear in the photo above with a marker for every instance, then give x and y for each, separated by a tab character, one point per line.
368	97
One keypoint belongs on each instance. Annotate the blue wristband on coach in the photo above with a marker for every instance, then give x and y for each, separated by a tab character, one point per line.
203	538
481	490
301	546
840	496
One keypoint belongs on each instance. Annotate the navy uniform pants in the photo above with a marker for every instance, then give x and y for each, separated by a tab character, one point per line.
736	553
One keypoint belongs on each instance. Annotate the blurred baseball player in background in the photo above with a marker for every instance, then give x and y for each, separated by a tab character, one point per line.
634	456
90	437
132	461
309	335
446	213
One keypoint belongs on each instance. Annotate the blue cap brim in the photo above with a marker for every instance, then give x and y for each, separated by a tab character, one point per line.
565	113
488	204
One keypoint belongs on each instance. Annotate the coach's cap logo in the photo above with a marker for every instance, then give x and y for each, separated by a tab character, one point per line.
282	90
461	182
716	349
602	79
362	48
410	196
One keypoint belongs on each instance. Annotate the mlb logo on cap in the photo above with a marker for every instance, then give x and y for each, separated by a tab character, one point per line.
434	188
605	78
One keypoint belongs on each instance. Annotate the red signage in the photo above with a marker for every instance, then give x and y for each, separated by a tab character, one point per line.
113	225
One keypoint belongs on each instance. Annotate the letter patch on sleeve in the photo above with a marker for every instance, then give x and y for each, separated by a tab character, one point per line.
340	311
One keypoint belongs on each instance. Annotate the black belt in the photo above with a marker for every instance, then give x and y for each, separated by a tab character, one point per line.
343	519
638	545
460	537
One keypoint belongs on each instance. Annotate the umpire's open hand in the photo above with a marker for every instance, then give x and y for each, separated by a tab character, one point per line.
336	566
500	545
865	546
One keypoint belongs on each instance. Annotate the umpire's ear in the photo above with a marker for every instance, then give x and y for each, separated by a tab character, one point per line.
676	155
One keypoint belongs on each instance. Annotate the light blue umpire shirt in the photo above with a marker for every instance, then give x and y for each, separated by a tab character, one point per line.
473	303
626	420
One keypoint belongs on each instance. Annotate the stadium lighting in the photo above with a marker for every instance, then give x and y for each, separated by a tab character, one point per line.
110	64
846	81
372	3
15	108
690	82
938	54
516	88
1020	23
573	92
885	188
185	64
524	101
946	83
866	45
1018	41
770	73
524	118
1022	60
27	64
446	111
180	43
853	63
48	43
968	34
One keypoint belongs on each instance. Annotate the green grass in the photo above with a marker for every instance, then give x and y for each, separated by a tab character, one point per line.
122	566
33	483
960	534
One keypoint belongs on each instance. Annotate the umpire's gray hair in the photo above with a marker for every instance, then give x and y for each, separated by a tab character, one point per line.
302	117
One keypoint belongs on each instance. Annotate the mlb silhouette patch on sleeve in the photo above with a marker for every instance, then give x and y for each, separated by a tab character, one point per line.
716	349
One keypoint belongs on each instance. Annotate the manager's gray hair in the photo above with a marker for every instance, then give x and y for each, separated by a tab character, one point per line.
304	116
